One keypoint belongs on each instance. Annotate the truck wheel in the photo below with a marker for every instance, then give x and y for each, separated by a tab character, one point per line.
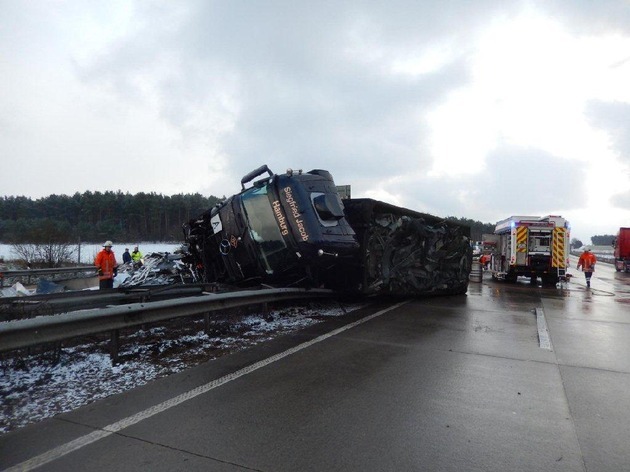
511	277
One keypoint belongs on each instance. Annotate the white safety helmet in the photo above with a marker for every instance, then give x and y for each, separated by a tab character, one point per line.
587	248
108	244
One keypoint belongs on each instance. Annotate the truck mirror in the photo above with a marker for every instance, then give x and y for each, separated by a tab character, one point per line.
255	173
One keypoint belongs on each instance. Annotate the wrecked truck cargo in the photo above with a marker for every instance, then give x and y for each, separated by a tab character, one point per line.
293	229
404	252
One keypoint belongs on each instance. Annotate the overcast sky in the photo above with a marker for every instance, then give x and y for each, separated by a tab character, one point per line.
480	109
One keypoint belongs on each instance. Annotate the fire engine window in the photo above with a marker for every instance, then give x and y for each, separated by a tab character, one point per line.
263	227
539	242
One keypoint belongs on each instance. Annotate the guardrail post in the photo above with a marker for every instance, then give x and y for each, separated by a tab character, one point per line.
57	352
206	323
114	346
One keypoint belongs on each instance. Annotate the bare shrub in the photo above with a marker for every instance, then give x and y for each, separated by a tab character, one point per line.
43	254
42	243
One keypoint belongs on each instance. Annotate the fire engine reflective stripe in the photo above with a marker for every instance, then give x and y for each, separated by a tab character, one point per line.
557	241
521	239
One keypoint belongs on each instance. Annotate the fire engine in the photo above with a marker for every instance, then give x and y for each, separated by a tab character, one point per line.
531	246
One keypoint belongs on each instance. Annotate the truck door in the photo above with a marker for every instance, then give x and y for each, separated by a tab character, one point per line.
539	250
540	242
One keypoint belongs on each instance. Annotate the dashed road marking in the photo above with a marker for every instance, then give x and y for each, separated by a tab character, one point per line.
543	332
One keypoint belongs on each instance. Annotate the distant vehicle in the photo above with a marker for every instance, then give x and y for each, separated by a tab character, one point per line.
488	243
531	246
621	245
293	229
476	250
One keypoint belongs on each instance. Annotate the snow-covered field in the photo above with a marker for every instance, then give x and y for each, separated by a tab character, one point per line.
88	251
35	387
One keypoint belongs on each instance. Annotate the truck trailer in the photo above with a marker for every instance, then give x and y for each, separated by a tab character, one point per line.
531	246
294	230
621	244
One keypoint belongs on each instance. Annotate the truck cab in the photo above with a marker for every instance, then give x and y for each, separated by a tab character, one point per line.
621	245
284	228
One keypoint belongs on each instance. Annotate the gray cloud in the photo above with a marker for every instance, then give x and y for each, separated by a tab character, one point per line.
218	88
614	118
298	75
515	181
587	17
621	200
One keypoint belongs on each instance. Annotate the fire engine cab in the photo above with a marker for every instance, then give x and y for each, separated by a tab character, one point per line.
531	246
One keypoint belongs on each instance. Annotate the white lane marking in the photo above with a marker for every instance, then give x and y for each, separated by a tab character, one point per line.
543	332
83	441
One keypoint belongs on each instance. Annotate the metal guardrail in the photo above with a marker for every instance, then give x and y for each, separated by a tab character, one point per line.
31	332
608	258
49	304
6	274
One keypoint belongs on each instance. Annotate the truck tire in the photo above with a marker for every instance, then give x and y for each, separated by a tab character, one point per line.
511	277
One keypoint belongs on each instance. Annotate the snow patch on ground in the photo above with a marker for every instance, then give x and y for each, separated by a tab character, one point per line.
36	387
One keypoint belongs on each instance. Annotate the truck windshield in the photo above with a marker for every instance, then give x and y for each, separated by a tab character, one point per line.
263	227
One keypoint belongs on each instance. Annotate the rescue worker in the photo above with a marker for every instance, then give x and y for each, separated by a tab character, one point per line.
105	262
136	256
484	260
126	256
587	263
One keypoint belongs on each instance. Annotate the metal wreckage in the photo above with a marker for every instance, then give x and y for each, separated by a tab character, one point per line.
294	230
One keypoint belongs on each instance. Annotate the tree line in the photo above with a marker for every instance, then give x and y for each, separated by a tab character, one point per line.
477	228
96	216
602	239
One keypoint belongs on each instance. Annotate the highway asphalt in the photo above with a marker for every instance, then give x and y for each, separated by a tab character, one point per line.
442	384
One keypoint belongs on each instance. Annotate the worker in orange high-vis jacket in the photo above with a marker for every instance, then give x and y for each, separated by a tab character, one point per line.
105	263
587	263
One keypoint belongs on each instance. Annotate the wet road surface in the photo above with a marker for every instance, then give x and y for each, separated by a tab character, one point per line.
443	384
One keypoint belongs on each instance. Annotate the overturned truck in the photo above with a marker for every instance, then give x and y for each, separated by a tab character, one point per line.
293	229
